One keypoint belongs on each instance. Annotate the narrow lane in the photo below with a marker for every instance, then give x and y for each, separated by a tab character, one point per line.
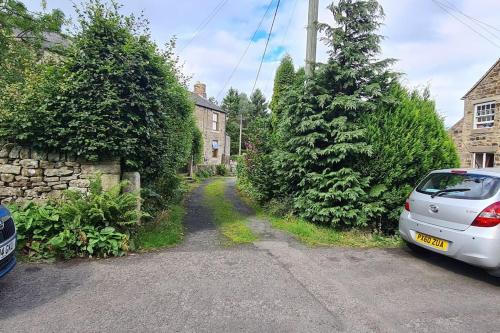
200	231
275	285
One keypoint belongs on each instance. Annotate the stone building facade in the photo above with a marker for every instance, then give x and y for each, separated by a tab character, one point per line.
477	134
26	174
211	120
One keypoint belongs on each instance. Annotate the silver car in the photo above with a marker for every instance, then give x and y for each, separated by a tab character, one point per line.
456	213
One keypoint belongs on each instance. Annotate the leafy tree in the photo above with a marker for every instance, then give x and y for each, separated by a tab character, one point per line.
283	80
255	167
324	136
408	139
173	61
21	38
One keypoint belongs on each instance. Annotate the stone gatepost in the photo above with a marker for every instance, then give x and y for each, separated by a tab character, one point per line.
110	172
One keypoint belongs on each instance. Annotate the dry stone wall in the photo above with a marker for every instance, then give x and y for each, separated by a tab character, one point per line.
26	174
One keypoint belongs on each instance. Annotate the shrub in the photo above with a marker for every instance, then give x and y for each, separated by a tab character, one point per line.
256	174
221	170
97	223
204	172
280	207
408	140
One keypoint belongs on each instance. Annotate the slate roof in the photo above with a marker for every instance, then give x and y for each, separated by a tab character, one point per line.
205	103
53	39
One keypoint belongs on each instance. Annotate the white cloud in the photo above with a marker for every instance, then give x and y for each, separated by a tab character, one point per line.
432	47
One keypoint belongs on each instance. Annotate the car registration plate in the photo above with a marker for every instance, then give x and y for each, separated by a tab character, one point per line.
431	241
7	249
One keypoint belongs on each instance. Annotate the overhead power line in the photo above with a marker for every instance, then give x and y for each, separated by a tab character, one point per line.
284	38
452	6
444	8
245	51
205	22
267	44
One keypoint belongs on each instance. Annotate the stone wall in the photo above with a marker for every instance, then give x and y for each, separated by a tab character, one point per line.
26	174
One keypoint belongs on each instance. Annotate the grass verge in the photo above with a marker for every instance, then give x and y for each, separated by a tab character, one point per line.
166	231
231	223
315	235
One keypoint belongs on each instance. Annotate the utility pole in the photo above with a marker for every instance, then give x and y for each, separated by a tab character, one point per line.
241	131
312	36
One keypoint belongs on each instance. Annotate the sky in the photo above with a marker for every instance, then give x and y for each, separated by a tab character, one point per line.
445	50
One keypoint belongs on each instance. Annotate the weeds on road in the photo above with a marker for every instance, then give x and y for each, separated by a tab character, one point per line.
166	231
230	222
315	235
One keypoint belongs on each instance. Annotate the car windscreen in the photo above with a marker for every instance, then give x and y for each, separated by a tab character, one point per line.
468	186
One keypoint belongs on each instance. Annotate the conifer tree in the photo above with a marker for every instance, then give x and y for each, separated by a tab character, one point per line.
408	139
284	78
259	104
324	138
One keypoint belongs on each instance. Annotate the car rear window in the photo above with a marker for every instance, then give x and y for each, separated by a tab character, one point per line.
479	186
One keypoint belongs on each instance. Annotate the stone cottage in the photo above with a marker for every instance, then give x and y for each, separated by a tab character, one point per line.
211	120
477	134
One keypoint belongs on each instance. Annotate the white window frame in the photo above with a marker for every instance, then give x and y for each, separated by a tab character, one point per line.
215	121
483	166
476	116
215	151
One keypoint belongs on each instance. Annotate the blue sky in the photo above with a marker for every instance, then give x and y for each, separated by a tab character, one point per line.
432	47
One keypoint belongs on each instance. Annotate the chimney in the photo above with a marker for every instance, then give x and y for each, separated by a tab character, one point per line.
200	89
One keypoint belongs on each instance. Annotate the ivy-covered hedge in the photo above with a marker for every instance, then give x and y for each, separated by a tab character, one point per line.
112	93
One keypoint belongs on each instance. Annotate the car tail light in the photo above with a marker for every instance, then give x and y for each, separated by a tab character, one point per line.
407	205
489	217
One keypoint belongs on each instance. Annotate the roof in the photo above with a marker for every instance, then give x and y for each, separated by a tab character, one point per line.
205	103
52	39
482	78
49	39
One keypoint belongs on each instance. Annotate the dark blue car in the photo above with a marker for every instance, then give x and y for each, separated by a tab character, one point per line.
7	242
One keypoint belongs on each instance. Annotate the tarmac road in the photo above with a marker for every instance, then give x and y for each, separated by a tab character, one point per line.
275	285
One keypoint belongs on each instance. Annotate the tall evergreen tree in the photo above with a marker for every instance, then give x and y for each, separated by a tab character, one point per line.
232	105
259	105
283	80
324	139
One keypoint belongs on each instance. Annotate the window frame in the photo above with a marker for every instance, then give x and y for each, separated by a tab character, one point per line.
215	152
483	166
215	121
492	122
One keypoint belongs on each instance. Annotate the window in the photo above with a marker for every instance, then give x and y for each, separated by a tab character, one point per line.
469	186
215	121
484	160
484	115
215	149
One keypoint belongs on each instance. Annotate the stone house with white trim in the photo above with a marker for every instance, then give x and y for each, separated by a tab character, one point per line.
477	134
211	120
